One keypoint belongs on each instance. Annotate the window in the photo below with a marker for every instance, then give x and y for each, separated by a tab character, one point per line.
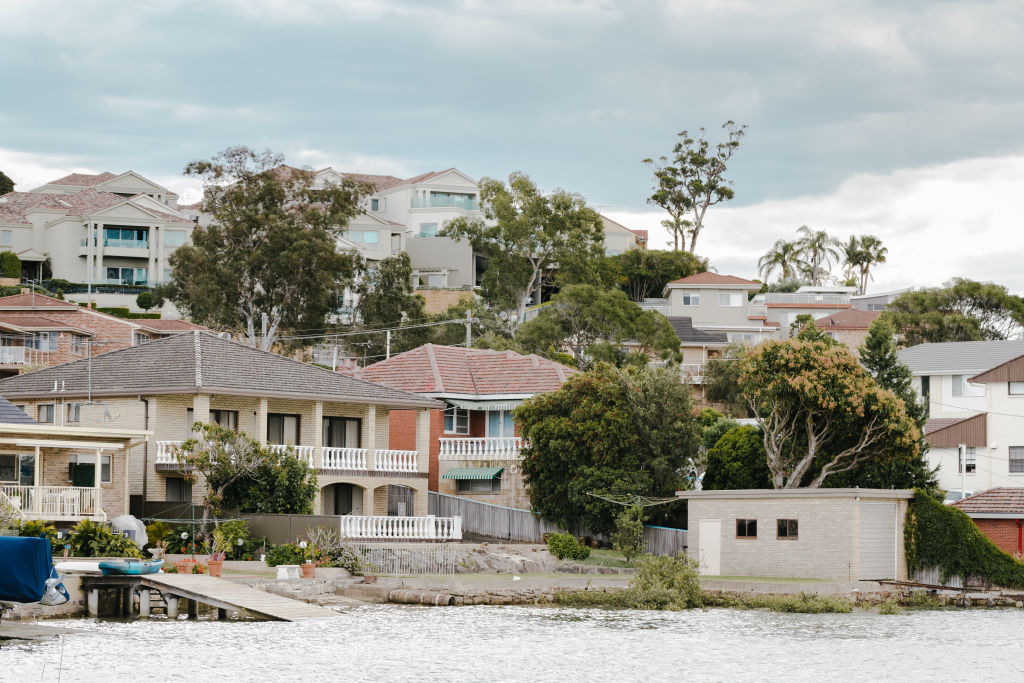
612	252
500	424
18	469
926	387
74	412
428	229
787	528
76	344
8	467
363	236
174	238
741	338
82	467
179	490
45	413
746	528
1016	388
429	279
126	237
478	485
42	341
691	298
224	418
971	459
876	307
5	238
456	420
283	429
378	204
1016	459
341	432
733	299
961	387
139	338
126	276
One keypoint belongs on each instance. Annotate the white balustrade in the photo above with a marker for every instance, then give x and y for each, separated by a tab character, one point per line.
490	448
303	453
344	458
55	502
165	452
395	461
355	527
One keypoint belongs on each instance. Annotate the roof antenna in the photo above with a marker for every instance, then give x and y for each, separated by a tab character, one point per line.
54	386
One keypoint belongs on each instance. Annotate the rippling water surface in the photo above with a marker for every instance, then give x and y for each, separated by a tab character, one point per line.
393	643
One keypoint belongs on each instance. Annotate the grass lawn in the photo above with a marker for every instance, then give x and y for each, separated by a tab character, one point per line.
607	558
766	579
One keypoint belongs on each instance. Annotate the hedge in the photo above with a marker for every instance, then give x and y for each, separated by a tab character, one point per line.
942	536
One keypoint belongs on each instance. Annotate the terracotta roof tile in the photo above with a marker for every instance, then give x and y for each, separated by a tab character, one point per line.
455	370
35	301
38	322
1003	500
84	179
709	278
848	319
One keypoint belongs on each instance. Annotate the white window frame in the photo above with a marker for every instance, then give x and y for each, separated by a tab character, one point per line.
963	389
456	415
52	410
1010	461
690	298
970	458
106	464
729	298
74	413
1020	389
501	425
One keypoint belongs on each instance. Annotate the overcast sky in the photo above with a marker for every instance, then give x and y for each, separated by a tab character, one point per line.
903	119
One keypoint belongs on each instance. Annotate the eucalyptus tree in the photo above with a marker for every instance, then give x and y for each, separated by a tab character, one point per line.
525	235
691	179
818	249
784	256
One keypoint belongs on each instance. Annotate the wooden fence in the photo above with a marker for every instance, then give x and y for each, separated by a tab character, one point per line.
280	529
522	526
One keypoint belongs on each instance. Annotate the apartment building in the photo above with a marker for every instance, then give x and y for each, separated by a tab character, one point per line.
41	331
975	397
337	424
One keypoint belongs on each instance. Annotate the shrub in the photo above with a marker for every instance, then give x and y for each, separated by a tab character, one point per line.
890	606
145	300
10	265
89	539
661	583
738	461
289	553
628	537
803	603
328	549
36	528
566	547
157	532
227	535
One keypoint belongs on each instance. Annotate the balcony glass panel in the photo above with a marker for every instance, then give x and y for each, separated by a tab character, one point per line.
133	238
440	200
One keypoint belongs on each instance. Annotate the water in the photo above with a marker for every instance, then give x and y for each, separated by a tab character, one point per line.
394	643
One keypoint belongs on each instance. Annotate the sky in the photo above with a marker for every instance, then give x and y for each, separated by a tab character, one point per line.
899	119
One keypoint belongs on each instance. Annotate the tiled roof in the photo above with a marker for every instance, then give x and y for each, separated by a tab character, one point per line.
11	414
201	362
453	370
386	182
84	179
1003	500
36	301
683	325
848	319
38	322
960	358
708	278
936	423
14	206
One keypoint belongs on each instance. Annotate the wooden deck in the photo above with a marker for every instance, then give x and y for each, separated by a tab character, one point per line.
220	593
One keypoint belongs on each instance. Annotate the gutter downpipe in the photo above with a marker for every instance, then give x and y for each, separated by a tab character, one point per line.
145	452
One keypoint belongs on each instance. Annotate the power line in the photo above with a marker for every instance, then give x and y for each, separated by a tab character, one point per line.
365	332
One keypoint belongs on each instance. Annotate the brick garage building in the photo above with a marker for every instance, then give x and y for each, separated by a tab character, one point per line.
999	513
474	445
837	534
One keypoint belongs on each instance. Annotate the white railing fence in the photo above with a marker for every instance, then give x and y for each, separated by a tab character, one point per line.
407	559
407	528
395	461
54	502
331	458
165	452
344	458
505	448
303	453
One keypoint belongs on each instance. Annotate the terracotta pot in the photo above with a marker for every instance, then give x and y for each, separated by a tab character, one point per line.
308	571
184	566
215	566
369	578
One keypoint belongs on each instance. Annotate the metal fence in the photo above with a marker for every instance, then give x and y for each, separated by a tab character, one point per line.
407	559
512	524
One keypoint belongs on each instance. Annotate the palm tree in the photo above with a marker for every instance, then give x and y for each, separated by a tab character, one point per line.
852	256
783	255
872	253
818	248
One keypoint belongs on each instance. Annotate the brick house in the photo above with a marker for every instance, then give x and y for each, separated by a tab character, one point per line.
849	326
38	330
50	473
837	534
999	513
474	444
336	423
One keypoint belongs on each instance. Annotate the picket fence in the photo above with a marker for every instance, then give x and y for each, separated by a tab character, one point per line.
522	526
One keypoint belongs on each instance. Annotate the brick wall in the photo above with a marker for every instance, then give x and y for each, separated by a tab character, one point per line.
1003	532
403	436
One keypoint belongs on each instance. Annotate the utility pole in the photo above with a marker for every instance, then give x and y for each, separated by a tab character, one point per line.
962	449
469	328
387	345
334	359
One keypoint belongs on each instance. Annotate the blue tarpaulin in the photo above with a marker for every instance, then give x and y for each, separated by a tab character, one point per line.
25	565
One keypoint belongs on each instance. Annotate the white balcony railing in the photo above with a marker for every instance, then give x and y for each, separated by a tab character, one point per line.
410	528
13	355
344	458
165	452
757	310
55	503
303	453
395	461
795	298
693	372
489	448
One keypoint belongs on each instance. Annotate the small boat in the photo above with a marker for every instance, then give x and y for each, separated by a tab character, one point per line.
27	573
131	566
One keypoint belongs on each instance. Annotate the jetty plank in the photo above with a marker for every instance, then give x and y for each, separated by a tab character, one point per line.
226	594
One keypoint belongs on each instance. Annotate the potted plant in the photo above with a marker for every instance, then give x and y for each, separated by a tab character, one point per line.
215	562
308	568
186	565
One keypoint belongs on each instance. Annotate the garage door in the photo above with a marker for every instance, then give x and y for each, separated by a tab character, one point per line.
878	543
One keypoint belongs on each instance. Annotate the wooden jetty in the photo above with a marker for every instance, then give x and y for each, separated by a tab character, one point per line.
226	596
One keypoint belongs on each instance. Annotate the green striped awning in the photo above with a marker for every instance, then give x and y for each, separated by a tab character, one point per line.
472	473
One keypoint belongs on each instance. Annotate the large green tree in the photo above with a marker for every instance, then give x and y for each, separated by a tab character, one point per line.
962	310
643	273
691	179
580	316
737	461
282	484
820	412
388	300
525	234
609	432
269	261
6	184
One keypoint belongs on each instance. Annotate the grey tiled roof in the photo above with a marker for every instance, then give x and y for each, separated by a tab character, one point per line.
960	358
200	362
687	333
11	414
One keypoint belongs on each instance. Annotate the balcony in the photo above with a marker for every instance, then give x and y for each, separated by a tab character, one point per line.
55	503
794	299
445	202
12	355
489	448
326	458
692	372
401	528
